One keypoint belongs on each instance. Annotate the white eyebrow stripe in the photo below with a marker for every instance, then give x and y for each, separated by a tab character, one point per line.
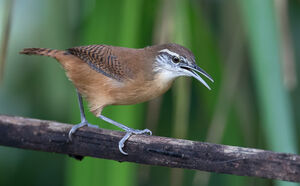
169	52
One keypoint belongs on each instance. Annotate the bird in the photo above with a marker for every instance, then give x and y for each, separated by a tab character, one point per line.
112	75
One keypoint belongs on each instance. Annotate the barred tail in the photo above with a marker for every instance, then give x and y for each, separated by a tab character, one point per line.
42	52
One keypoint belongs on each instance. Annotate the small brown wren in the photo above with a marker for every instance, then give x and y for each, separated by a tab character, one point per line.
109	75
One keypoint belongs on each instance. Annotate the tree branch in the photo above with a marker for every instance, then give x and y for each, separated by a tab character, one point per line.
52	136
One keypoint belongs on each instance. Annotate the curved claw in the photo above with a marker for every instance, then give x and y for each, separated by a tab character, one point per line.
70	133
128	134
76	127
147	131
122	141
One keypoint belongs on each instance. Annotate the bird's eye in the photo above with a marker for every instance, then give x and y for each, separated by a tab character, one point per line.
175	59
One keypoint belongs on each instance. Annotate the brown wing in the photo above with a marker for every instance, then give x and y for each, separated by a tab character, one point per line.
100	59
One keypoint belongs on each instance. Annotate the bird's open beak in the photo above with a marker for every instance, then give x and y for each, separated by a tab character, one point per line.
191	71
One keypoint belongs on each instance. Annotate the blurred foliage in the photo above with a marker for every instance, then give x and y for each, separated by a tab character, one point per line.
250	48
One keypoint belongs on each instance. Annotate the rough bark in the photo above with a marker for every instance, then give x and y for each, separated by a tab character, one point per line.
52	136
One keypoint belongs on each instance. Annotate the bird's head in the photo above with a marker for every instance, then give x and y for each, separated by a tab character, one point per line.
173	60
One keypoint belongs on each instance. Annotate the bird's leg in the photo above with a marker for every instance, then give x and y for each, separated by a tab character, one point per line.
83	122
129	132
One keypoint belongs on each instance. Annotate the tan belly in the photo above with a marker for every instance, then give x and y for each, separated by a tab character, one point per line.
138	92
101	91
92	85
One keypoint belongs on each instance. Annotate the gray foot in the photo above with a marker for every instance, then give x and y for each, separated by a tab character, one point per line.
76	127
129	132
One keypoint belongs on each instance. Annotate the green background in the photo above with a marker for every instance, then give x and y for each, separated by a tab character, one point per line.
251	48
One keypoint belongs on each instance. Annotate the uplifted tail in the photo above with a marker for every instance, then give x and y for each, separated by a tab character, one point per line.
43	52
